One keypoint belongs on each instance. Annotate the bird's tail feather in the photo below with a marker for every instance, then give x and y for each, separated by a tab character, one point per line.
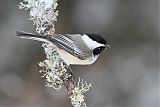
26	35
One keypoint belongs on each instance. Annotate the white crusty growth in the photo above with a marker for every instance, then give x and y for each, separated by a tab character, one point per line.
44	14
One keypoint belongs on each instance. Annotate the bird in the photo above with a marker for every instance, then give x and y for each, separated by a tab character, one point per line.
74	49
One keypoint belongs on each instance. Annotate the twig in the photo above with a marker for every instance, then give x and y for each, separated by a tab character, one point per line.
57	73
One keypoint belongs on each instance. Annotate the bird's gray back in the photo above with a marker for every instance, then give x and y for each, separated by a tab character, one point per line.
79	43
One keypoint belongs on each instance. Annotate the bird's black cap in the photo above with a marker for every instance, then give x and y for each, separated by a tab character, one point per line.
97	38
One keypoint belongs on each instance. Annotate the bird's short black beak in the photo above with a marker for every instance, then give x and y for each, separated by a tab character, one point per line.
107	46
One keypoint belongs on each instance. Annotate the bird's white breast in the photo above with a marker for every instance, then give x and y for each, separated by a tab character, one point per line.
72	60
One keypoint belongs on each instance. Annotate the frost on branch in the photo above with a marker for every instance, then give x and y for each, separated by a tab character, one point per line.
42	12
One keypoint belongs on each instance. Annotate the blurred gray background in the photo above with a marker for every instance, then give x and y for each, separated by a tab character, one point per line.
126	75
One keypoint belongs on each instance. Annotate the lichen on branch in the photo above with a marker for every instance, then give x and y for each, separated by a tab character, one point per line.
42	12
57	73
77	98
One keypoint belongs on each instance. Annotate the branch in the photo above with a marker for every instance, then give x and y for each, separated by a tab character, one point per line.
43	13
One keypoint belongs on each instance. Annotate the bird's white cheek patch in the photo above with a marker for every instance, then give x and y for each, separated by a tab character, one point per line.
91	43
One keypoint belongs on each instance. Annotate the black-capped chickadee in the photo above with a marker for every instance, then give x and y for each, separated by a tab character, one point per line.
74	49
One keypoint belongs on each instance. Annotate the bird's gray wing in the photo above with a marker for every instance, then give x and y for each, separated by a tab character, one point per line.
66	43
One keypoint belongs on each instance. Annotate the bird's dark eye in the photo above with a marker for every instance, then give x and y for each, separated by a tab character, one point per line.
98	50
